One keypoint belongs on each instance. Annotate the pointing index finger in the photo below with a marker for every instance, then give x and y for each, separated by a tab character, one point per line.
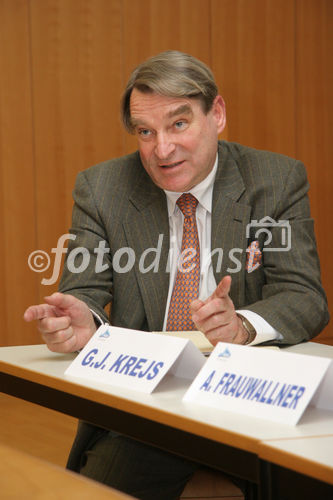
38	312
223	288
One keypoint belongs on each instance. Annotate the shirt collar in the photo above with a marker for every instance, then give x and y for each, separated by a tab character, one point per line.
202	191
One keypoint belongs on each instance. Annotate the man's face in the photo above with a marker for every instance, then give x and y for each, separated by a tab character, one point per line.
177	141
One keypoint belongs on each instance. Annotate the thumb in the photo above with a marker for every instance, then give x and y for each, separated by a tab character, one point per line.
61	300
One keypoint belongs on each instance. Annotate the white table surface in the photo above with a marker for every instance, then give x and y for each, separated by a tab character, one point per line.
312	455
36	363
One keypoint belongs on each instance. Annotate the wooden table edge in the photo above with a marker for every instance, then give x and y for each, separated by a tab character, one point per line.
292	461
184	423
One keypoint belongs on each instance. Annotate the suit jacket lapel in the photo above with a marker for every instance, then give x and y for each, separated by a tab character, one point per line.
147	232
229	220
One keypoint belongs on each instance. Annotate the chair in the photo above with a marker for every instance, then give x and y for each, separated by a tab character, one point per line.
208	484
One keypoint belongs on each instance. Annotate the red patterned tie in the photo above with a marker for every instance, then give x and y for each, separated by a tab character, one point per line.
186	287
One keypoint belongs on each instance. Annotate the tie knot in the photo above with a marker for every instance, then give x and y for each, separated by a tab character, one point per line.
187	204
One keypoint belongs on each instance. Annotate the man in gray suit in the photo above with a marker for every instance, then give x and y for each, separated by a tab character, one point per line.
258	277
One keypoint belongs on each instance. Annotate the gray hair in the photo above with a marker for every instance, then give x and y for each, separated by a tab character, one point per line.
172	74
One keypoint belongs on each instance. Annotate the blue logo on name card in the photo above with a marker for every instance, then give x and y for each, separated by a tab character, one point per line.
225	354
104	335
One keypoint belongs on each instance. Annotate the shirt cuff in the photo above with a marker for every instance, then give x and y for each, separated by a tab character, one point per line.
98	320
264	330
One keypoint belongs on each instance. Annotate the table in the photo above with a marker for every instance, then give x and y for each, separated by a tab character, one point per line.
223	440
24	476
307	462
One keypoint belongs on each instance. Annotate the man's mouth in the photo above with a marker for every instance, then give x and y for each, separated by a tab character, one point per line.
172	165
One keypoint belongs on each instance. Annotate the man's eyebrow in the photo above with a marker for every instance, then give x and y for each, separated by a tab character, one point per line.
134	122
182	109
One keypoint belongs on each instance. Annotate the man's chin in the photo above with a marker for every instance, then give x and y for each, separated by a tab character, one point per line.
175	186
173	178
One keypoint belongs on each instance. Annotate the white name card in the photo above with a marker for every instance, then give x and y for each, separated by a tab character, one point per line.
135	359
264	383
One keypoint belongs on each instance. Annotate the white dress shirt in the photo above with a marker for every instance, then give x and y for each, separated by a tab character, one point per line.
204	194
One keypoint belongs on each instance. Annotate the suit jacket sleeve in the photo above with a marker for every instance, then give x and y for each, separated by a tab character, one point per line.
292	298
87	275
118	214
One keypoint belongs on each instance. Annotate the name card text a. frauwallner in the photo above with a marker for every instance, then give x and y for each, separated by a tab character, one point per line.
275	385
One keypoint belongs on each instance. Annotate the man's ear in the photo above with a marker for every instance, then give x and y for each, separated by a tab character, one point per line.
219	113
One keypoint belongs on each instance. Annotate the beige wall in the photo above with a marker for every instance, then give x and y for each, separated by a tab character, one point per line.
63	64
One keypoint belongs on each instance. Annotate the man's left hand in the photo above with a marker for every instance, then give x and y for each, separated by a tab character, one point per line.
216	316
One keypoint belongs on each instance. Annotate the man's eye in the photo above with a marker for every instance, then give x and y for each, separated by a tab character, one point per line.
180	124
144	132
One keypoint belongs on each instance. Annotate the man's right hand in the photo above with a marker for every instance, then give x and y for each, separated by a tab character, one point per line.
65	322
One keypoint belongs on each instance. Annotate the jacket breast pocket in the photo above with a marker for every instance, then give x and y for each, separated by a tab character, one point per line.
254	283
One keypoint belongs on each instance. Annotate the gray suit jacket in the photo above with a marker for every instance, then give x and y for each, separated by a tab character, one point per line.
117	203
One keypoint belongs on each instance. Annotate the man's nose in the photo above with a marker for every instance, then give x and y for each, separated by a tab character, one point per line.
164	146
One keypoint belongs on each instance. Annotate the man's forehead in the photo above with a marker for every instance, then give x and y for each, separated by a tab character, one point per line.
144	103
